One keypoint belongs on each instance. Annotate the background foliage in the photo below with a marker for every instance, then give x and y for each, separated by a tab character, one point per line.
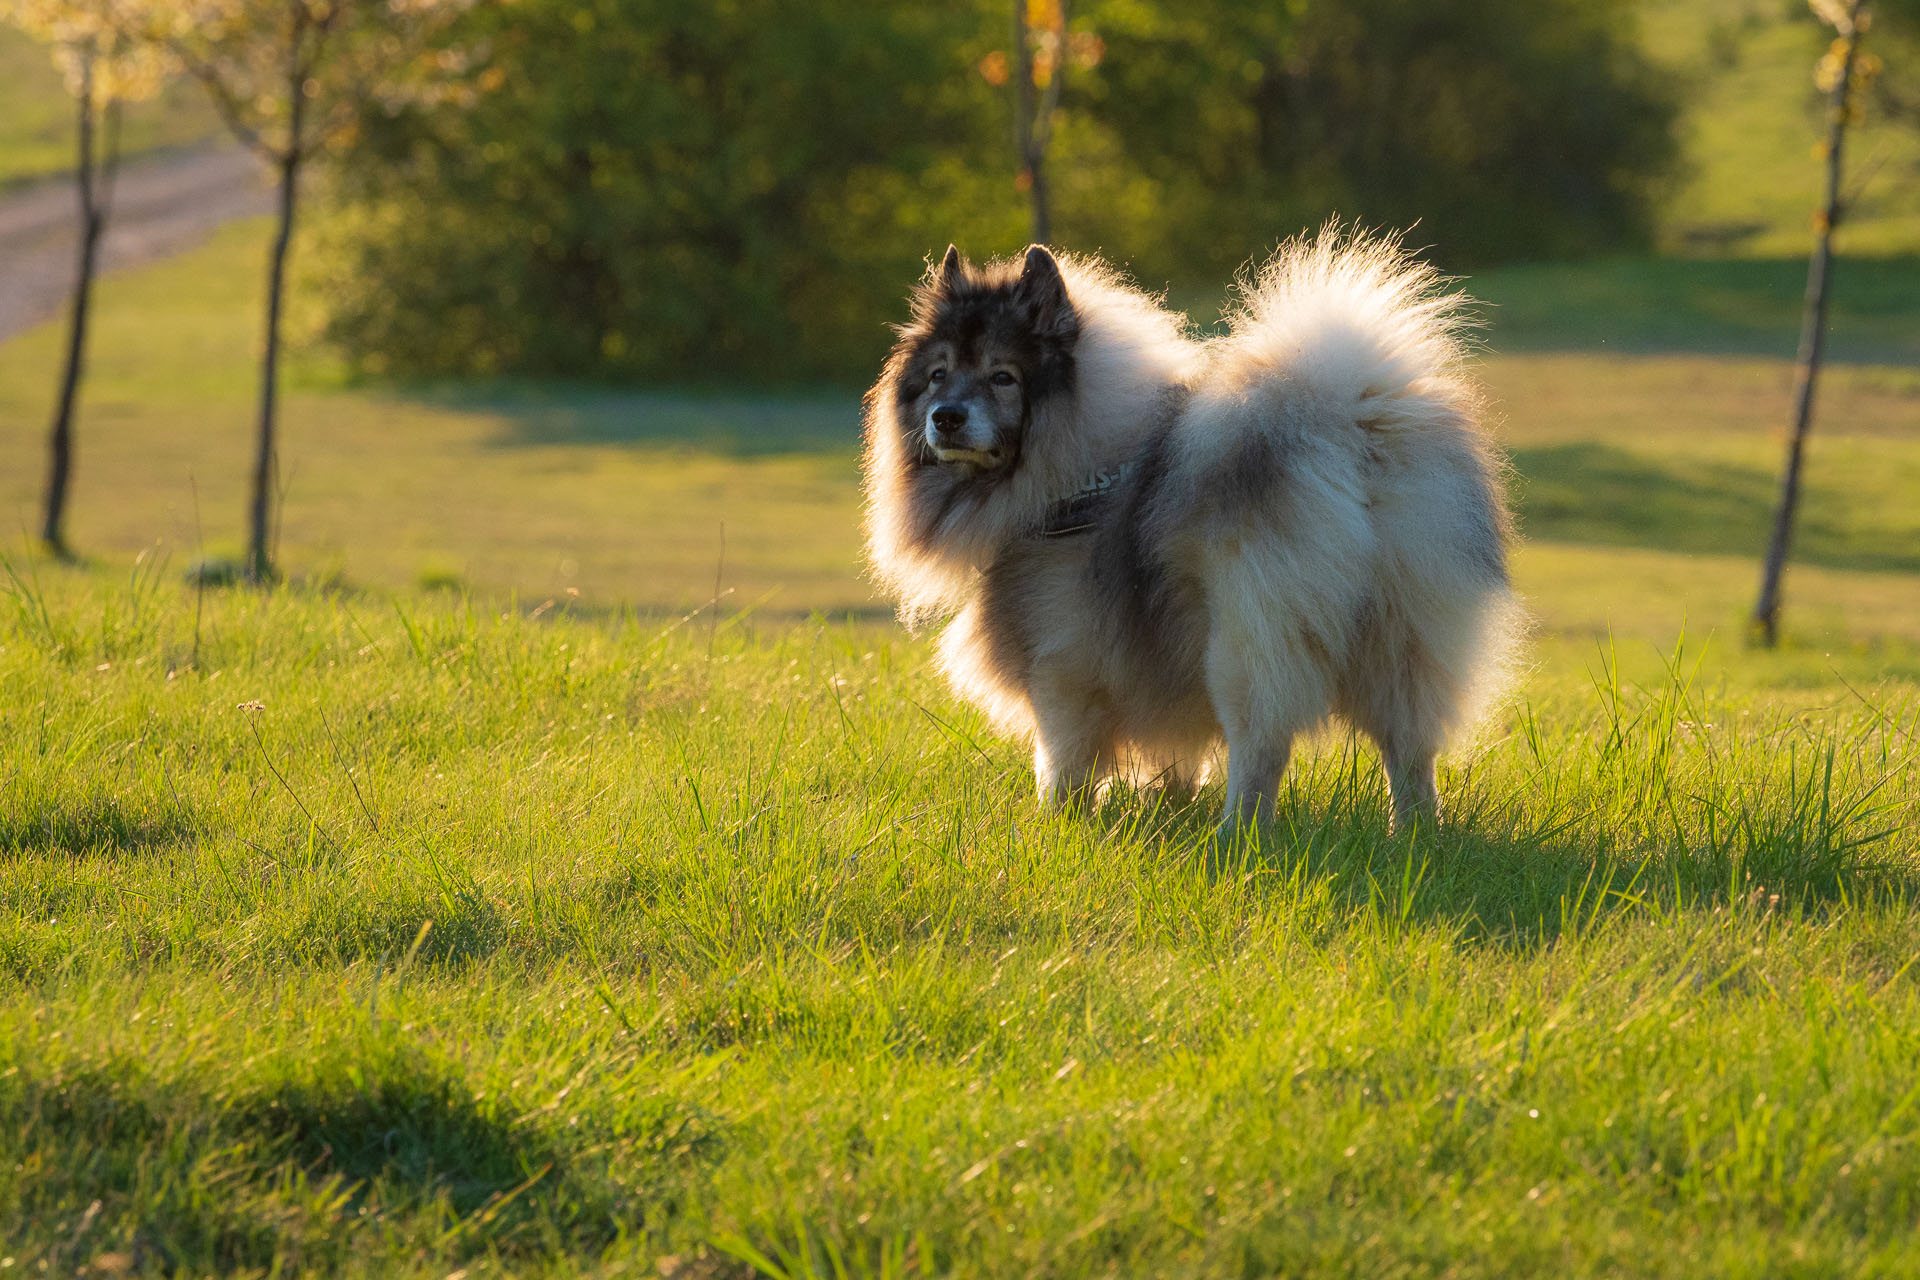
662	188
1507	130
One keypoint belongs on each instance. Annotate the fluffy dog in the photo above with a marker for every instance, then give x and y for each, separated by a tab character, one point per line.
1147	544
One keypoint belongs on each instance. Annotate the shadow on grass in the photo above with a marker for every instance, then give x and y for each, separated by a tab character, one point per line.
92	1133
467	926
1701	306
406	1132
363	1132
388	1121
1596	493
1500	883
1622	836
99	825
728	423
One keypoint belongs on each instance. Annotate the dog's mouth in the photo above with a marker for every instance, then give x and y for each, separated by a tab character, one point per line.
977	459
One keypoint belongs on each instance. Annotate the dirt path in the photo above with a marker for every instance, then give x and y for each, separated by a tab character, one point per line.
161	205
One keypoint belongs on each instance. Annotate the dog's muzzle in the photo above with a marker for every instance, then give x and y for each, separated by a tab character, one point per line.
950	439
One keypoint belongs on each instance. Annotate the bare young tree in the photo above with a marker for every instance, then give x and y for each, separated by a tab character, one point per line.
1039	54
1042	48
105	65
288	78
1840	74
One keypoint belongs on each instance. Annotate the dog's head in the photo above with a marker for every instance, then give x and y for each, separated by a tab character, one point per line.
987	345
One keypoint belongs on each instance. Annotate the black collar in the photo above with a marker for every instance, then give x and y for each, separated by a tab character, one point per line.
1080	511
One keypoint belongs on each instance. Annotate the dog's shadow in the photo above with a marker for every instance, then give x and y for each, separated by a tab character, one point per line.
1492	873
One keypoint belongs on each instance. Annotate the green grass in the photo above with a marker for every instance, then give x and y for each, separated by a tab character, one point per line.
1753	119
625	497
36	115
1723	306
1644	487
553	920
569	943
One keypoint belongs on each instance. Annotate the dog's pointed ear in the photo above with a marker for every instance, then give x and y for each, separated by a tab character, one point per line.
1044	292
952	268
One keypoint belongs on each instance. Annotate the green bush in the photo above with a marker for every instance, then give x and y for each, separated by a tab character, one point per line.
682	190
665	188
1505	129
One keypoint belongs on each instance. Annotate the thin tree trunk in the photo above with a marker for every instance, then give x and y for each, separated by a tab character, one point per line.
1813	334
92	222
1033	117
1023	123
260	511
1042	200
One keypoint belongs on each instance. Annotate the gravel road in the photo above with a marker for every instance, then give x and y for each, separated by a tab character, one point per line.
162	205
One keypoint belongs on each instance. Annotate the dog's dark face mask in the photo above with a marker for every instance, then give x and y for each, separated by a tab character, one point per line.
988	347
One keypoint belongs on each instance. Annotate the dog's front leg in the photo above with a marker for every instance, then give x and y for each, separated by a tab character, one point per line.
1072	751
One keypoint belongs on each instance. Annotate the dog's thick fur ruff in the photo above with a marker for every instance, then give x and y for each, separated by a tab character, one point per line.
1308	519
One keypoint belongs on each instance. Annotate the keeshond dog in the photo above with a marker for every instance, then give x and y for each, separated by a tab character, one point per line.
1150	546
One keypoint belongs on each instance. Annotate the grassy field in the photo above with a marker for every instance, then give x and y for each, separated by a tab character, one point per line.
36	116
488	901
1644	481
402	936
1751	123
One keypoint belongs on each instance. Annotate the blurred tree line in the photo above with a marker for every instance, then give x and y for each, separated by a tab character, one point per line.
695	189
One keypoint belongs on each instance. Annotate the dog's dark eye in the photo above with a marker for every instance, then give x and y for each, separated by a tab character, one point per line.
938	375
1004	379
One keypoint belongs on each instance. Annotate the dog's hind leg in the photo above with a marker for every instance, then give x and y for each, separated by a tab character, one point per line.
1412	781
1396	694
1268	670
1263	701
1284	557
1255	764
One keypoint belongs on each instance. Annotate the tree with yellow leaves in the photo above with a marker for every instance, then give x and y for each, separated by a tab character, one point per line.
1042	48
1843	75
105	64
289	79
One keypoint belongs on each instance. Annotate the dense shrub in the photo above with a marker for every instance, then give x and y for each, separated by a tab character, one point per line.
1506	129
690	189
666	188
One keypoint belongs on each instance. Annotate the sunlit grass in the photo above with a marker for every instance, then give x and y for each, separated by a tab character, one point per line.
351	933
489	900
1644	482
37	125
1751	128
364	928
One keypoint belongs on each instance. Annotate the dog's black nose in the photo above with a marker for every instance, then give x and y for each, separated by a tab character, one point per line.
948	419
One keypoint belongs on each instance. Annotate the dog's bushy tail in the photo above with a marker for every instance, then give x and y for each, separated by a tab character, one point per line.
1385	524
1354	317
